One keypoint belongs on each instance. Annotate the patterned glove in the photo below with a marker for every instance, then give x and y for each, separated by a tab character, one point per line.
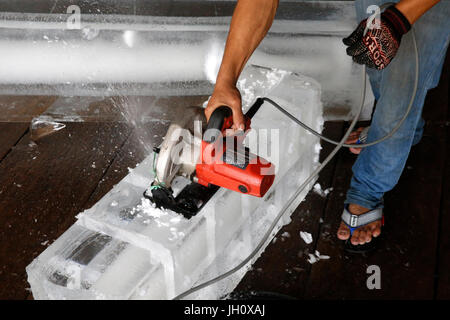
379	46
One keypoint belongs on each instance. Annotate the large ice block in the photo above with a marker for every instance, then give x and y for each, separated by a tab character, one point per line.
125	248
172	52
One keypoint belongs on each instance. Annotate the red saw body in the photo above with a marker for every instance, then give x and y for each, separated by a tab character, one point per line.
189	172
226	162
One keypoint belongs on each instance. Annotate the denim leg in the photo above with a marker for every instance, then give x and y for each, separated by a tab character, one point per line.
419	131
379	167
437	74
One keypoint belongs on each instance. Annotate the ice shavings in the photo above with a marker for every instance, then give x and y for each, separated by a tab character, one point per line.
313	258
149	209
148	213
43	126
285	235
258	83
306	236
323	193
114	203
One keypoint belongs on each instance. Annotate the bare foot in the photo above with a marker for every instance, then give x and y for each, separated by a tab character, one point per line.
353	138
363	234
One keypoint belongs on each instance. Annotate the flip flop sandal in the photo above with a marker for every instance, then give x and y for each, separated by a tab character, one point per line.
354	222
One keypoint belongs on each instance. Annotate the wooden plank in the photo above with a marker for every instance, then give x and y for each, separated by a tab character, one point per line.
132	109
42	188
16	113
23	108
10	134
283	267
443	256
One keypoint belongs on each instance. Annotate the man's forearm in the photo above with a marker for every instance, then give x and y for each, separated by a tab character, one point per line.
250	23
414	9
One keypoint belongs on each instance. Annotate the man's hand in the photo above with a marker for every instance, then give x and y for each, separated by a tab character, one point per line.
380	45
227	95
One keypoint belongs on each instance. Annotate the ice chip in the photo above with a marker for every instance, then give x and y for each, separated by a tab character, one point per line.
306	236
43	126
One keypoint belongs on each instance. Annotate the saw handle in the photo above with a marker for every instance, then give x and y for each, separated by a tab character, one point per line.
220	120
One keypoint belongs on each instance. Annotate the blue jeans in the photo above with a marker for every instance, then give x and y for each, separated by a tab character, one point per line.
378	168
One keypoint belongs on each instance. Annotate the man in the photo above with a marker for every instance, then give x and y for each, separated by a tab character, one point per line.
391	73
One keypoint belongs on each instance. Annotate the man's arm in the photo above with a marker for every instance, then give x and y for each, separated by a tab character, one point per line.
414	9
250	23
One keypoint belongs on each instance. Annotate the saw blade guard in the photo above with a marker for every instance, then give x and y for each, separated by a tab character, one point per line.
178	153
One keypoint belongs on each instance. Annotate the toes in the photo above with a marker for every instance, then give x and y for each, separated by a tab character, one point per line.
362	237
376	232
355	237
376	229
343	232
369	235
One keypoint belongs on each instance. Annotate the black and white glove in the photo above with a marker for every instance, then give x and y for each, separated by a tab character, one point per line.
380	45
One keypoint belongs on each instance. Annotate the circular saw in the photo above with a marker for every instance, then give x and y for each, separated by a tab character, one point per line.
192	164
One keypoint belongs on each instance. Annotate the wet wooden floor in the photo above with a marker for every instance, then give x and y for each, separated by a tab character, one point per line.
43	187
